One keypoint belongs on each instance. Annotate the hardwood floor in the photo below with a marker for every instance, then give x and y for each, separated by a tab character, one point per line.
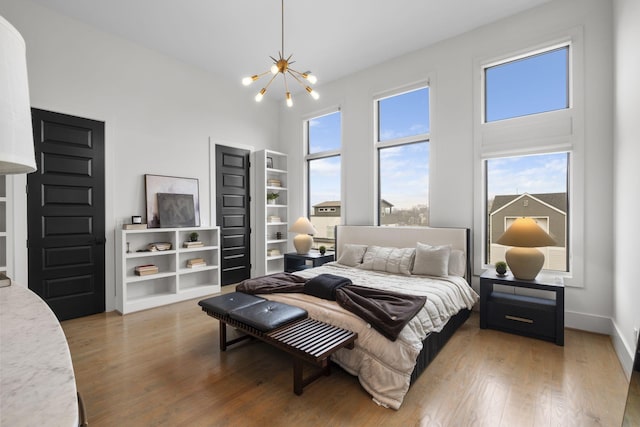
163	367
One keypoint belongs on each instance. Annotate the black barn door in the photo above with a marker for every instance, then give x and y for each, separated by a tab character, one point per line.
232	213
66	214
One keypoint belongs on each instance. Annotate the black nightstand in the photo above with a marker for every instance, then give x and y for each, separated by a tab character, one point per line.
296	262
525	315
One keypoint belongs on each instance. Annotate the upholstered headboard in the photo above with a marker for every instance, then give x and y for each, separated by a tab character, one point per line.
406	237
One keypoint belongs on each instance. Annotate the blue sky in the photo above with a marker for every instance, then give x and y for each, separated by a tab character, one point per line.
527	86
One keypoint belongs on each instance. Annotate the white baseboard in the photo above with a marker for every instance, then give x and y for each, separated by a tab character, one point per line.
588	322
624	351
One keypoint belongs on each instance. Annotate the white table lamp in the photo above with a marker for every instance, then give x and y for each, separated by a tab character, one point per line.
525	235
16	133
303	240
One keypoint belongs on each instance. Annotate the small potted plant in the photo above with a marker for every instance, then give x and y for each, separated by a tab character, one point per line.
272	197
501	268
322	250
193	237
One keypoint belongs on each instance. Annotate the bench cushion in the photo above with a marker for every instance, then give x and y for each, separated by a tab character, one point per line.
268	315
223	304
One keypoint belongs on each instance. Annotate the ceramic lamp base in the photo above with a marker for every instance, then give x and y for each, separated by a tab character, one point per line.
524	263
303	243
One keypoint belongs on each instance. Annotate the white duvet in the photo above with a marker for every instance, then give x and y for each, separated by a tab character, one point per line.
384	367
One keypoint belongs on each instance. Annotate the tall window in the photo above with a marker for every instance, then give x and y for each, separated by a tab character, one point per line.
402	142
324	141
535	182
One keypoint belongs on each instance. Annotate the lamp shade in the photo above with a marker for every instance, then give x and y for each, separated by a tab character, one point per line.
525	233
303	226
16	134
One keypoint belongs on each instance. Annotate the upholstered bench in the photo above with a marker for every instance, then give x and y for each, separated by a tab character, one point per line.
283	326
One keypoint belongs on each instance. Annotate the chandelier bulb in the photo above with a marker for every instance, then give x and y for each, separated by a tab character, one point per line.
274	69
248	80
310	78
289	100
312	92
260	95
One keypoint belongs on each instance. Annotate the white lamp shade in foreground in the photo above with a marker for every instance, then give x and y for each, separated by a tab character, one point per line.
16	134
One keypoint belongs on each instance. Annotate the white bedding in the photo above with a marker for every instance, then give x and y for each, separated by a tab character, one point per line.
384	367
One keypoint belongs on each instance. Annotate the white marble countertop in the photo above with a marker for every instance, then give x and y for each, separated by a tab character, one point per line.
37	384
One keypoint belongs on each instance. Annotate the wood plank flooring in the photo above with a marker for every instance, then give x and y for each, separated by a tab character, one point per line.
163	367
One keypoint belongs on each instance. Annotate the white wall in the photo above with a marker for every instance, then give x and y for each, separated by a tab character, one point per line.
159	113
450	67
626	176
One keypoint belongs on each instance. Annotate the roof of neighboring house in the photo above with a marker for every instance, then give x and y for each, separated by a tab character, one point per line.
385	203
333	204
557	200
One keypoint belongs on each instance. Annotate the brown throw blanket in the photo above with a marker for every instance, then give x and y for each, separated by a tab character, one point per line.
387	312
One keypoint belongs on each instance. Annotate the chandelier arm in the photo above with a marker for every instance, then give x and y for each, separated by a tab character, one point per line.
297	79
272	78
282	21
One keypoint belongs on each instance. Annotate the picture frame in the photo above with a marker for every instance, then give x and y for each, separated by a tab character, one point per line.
176	210
269	162
155	184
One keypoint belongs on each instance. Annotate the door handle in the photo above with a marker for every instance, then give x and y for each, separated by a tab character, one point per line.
100	240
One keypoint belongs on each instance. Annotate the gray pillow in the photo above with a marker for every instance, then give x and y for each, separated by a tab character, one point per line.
391	260
432	260
351	255
457	263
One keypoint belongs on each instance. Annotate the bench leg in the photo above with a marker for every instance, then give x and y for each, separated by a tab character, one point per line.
223	336
299	382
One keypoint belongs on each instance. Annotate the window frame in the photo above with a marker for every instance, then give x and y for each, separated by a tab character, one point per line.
540	133
319	156
397	142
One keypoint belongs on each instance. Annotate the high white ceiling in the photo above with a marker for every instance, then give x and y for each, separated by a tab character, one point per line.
332	38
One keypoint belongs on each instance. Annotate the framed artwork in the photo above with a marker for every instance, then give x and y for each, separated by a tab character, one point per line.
160	184
270	162
176	210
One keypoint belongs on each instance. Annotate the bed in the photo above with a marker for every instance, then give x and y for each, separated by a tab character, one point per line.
387	258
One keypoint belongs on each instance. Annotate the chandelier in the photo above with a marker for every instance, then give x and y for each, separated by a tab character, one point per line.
282	66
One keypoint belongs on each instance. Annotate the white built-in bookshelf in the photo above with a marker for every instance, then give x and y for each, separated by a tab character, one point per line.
271	217
174	281
3	224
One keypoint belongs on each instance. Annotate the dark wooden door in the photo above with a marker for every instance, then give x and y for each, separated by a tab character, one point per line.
65	215
232	213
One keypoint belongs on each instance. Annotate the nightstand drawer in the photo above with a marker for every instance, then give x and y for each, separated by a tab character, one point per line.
514	313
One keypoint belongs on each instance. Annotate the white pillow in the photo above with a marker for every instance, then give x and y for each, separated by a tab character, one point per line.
351	254
457	263
391	260
432	260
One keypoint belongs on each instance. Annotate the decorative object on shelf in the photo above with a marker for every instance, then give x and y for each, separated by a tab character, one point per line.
303	240
155	184
191	244
159	246
128	247
136	219
272	197
176	210
193	237
282	65
274	182
273	218
273	252
145	270
525	235
16	132
501	268
269	162
278	235
134	226
322	250
196	263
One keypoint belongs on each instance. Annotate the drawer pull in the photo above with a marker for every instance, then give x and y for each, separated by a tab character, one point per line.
518	319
